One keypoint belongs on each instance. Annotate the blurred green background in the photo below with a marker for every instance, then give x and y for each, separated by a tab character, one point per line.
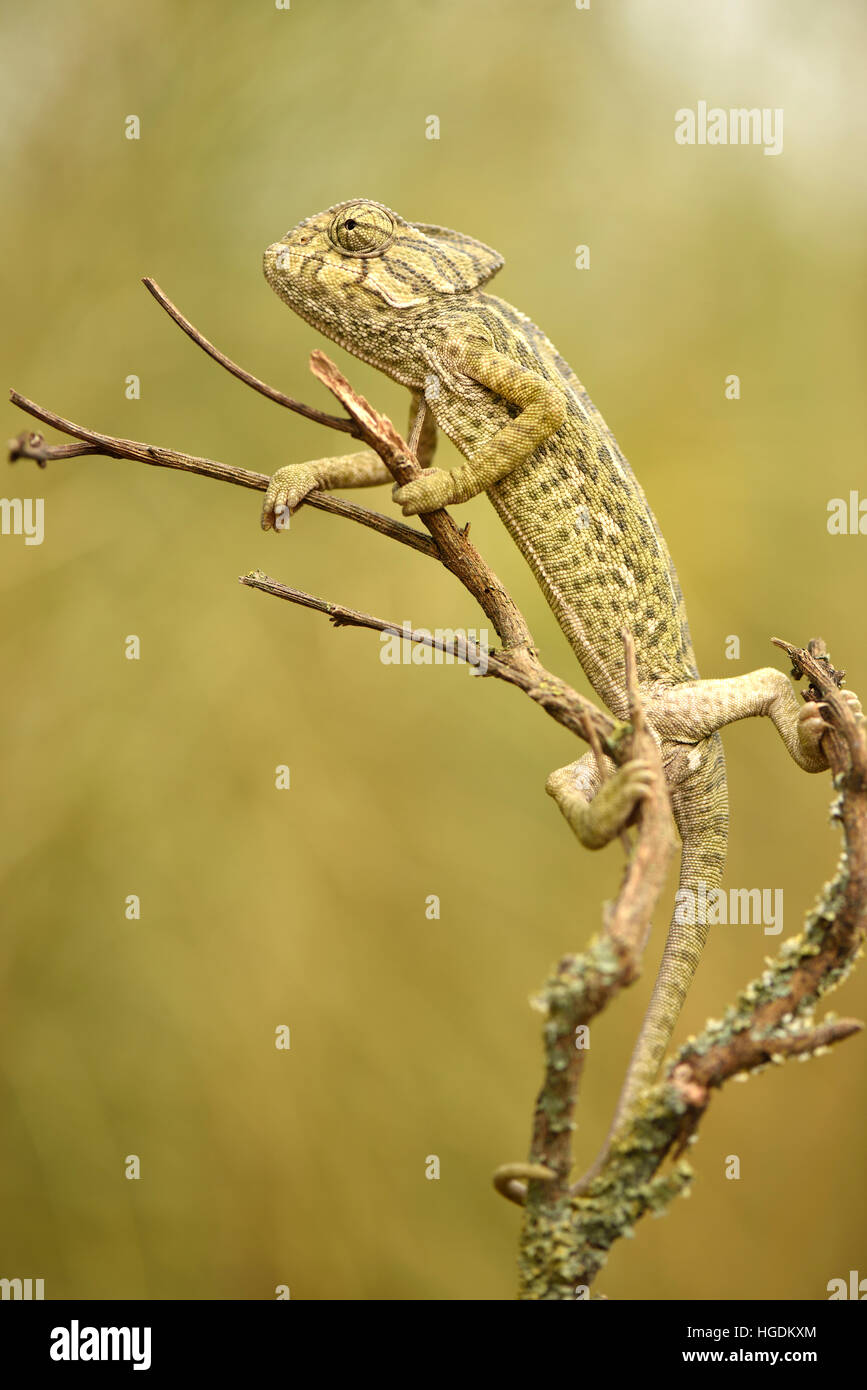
155	777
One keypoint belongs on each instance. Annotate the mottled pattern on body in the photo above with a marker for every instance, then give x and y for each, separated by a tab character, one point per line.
409	299
580	517
574	506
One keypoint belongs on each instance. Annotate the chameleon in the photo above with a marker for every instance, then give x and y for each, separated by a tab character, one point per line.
409	299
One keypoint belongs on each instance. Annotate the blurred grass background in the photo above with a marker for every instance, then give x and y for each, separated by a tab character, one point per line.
156	777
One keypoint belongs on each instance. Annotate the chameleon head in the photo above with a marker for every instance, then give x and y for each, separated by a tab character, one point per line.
358	269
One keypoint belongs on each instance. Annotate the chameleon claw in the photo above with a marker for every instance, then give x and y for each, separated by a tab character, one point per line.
812	724
510	1179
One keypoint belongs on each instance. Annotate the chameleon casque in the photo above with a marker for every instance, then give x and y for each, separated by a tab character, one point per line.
408	299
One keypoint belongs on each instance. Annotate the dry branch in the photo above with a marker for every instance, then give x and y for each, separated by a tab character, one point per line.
567	1234
565	1247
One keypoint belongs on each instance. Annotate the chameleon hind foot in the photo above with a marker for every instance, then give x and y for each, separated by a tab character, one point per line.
597	818
812	726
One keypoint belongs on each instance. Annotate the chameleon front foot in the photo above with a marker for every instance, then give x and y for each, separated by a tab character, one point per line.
511	1179
286	491
429	493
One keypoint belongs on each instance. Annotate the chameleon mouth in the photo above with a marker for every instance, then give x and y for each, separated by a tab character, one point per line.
281	260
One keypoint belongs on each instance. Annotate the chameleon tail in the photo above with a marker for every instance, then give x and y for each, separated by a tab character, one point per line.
701	811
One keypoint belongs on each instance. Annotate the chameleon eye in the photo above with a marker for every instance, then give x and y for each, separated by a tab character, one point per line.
361	229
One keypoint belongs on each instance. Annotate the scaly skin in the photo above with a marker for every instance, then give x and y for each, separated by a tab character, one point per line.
407	298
